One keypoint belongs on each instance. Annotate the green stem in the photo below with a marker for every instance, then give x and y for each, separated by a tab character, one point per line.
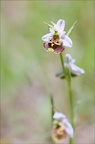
71	104
62	62
52	113
68	78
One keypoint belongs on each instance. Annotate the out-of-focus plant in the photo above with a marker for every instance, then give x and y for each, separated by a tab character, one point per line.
56	41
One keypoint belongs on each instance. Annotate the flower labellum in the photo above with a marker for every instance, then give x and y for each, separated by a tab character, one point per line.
56	40
61	128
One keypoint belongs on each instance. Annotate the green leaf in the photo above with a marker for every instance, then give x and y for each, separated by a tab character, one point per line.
51	99
52	105
60	74
71	28
76	111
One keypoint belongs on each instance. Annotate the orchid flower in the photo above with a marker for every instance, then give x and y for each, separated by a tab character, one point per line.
61	128
56	40
69	65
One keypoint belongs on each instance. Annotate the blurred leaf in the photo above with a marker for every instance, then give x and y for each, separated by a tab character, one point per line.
52	105
76	110
70	30
61	75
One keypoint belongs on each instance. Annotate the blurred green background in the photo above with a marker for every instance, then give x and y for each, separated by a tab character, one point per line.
28	71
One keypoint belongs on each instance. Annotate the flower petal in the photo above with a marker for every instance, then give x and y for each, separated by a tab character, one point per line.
62	34
47	37
67	41
76	70
51	30
58	116
68	128
60	24
50	50
45	45
55	138
69	59
58	50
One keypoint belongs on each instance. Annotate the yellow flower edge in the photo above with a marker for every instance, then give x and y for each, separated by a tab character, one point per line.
50	50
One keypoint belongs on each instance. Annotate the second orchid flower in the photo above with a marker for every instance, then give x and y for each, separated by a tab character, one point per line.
61	128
